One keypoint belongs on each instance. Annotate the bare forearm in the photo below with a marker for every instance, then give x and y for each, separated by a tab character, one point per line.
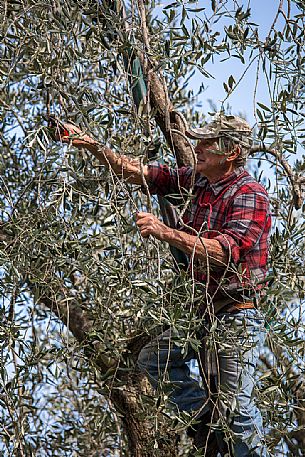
130	169
206	250
202	248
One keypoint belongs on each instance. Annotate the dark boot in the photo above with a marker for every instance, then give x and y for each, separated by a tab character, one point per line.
205	443
205	440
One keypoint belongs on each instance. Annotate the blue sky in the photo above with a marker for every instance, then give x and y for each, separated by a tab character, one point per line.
241	100
263	13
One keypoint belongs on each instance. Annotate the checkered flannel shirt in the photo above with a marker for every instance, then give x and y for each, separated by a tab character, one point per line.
235	211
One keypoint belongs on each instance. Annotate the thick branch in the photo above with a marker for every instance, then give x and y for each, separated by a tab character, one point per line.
295	180
169	120
166	118
126	401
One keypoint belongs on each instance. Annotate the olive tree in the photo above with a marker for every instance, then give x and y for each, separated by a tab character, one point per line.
81	291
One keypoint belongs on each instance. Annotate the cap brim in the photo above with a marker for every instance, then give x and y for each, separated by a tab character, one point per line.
198	134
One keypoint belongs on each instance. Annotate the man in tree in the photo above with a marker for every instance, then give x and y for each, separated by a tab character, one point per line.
224	231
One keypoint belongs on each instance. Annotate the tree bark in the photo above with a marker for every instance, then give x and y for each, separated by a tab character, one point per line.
139	432
169	121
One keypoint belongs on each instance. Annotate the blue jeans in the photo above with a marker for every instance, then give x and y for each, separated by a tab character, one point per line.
234	345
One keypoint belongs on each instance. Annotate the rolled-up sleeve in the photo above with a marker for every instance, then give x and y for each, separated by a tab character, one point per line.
246	227
166	181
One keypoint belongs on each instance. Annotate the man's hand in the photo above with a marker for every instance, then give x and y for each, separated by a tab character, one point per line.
150	225
70	133
129	169
199	247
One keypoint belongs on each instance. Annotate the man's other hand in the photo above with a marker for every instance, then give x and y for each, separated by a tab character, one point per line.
150	225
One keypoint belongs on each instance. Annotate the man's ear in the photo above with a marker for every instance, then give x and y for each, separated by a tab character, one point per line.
234	153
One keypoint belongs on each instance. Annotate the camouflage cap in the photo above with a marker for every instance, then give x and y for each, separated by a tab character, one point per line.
233	127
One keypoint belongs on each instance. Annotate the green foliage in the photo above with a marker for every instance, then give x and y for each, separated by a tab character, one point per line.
67	225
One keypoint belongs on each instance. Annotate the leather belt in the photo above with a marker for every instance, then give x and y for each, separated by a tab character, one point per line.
238	306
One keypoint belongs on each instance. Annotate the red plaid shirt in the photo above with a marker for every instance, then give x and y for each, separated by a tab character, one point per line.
235	211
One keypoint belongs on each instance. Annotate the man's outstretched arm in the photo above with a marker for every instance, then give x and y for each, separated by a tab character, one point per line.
130	169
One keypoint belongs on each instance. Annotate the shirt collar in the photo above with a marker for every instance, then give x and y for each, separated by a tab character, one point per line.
222	183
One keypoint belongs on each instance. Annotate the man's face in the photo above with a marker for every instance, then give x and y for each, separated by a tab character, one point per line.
210	160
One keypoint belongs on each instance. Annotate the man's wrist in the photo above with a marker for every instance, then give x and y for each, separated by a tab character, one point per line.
167	234
92	145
